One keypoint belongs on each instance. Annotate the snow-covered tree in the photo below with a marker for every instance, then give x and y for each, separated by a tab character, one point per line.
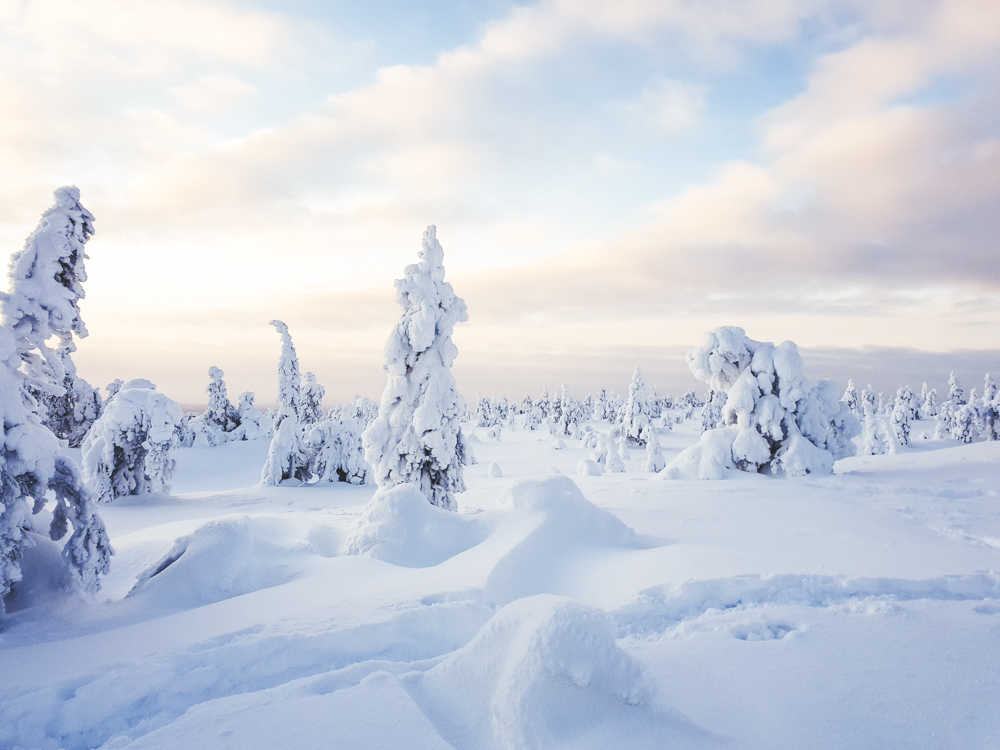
774	421
965	424
252	420
990	409
850	398
334	451
41	316
956	391
70	414
711	412
875	439
655	461
928	402
902	415
417	436
286	455
130	449
312	394
636	422
220	412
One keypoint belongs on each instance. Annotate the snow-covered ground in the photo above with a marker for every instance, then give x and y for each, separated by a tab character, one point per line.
859	610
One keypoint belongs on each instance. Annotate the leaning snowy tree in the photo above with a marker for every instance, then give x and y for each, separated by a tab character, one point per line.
417	436
130	449
286	456
43	312
775	422
41	308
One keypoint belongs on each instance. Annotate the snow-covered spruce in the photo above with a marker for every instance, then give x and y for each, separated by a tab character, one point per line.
875	437
252	420
902	415
130	449
417	437
42	310
40	317
286	456
635	422
775	421
312	393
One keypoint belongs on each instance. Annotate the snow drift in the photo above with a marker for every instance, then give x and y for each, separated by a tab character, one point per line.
401	527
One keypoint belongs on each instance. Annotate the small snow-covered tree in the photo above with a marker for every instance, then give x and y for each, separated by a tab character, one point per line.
312	394
252	420
901	416
850	398
875	439
956	391
636	423
655	460
711	412
130	449
220	413
928	402
334	451
965	425
286	456
774	421
417	436
990	409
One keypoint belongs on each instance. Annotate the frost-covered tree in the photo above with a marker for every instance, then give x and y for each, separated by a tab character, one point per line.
417	436
312	395
655	461
71	413
112	388
774	421
711	412
875	439
850	398
220	412
252	420
130	449
334	452
965	424
928	402
956	391
286	455
636	421
901	416
41	316
990	409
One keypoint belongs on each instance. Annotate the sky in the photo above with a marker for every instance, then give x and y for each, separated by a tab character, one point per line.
609	182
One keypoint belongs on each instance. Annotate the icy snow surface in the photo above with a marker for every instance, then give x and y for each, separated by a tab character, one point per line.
560	607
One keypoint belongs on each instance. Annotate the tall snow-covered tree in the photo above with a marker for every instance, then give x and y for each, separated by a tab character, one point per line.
41	316
130	449
312	394
636	423
286	455
417	436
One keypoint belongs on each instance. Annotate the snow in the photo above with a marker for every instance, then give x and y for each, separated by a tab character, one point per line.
553	608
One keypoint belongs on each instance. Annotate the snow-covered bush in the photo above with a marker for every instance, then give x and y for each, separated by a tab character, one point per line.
417	437
286	456
636	422
334	452
130	449
784	424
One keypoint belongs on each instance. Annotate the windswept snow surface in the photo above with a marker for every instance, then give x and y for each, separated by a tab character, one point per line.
558	608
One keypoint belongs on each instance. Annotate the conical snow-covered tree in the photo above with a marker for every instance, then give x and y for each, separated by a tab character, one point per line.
655	460
956	391
313	394
417	436
635	424
901	416
850	398
286	455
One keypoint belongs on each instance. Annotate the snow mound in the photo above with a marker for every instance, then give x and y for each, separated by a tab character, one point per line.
223	559
588	468
495	471
710	458
545	672
399	526
568	526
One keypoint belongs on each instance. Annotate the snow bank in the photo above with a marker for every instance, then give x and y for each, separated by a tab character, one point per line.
401	527
710	458
545	672
226	558
568	525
